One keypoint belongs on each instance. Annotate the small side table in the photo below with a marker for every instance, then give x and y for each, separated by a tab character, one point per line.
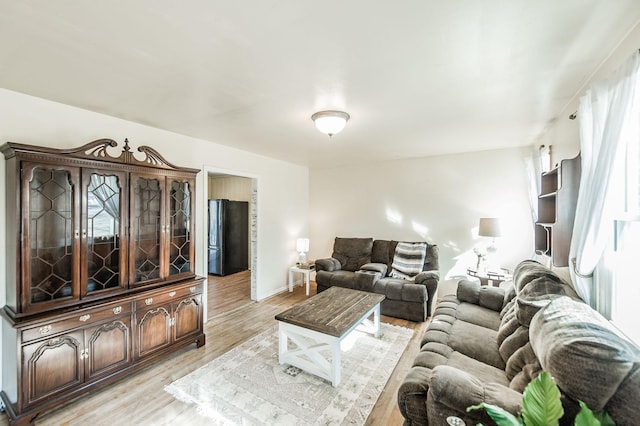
306	276
486	278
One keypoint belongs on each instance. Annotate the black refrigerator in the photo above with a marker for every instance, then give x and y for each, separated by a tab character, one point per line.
228	237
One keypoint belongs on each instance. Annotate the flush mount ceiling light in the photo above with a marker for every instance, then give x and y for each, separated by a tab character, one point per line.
330	122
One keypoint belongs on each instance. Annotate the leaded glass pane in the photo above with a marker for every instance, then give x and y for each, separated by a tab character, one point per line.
103	239
51	235
180	241
148	229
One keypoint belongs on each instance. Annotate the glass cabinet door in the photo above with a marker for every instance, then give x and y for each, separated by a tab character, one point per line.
103	231
181	247
51	199
147	228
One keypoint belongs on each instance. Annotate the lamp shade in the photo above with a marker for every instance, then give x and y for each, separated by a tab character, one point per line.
302	245
330	122
489	227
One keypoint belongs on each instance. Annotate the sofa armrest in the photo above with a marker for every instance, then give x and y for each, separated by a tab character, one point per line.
452	391
412	395
427	275
485	296
375	267
366	280
430	280
329	264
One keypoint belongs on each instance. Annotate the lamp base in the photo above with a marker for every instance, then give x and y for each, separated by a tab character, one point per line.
481	266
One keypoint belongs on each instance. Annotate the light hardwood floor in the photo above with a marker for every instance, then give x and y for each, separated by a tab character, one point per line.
140	399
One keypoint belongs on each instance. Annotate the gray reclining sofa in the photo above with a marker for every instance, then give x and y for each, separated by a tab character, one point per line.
365	264
485	344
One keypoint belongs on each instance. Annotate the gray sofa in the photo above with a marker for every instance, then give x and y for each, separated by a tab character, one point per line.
485	344
365	264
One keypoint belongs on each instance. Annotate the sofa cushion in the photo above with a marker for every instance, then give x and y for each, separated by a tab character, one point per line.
585	354
450	309
509	292
352	253
382	252
477	342
537	293
467	338
522	367
508	326
398	289
345	279
408	260
433	354
509	308
487	297
529	270
512	344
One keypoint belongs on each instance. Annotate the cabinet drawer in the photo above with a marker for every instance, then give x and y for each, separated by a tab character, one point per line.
81	319
168	295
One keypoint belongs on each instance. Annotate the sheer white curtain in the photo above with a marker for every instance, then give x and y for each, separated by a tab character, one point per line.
603	113
534	169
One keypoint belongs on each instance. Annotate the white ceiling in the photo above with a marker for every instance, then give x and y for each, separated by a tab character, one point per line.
419	78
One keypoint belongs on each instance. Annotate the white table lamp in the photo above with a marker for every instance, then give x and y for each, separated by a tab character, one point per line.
302	247
490	227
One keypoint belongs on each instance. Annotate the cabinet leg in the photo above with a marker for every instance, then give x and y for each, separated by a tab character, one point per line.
201	340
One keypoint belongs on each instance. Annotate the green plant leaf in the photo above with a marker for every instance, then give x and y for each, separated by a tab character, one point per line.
604	418
585	417
499	415
541	404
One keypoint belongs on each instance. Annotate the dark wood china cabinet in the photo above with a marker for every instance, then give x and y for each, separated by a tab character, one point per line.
100	269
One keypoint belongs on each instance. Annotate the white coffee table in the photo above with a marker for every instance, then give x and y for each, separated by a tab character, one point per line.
310	333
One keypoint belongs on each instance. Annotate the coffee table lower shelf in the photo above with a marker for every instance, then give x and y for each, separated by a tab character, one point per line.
319	353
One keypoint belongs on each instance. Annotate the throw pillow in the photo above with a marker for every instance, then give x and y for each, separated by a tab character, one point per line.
408	260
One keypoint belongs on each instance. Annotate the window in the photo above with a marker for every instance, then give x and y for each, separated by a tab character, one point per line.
626	288
625	291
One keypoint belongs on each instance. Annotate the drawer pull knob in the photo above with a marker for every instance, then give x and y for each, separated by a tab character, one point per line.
148	300
173	293
192	289
44	330
85	317
117	310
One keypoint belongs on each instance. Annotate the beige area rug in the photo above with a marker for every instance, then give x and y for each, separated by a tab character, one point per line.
248	386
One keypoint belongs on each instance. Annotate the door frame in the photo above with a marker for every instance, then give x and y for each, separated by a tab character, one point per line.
253	222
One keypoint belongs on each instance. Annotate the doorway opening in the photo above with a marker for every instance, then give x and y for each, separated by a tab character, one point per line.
233	286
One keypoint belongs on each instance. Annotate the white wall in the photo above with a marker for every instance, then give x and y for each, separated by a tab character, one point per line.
281	217
563	134
437	199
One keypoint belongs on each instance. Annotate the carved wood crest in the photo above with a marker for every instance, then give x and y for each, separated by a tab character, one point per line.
99	150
